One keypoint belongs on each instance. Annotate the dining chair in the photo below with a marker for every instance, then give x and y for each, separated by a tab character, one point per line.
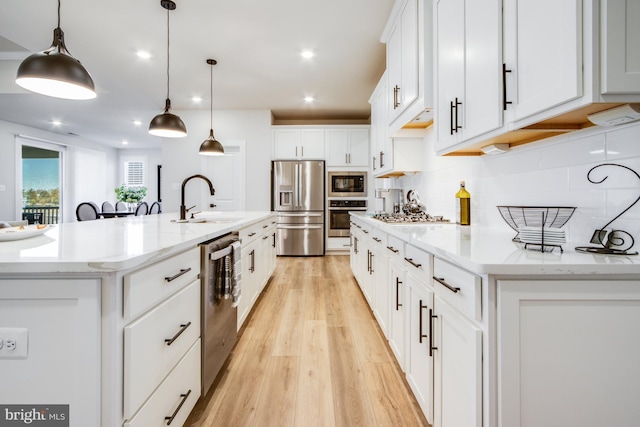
155	208
86	211
108	207
121	206
142	209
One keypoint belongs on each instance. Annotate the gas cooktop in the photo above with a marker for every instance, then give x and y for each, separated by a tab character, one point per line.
413	218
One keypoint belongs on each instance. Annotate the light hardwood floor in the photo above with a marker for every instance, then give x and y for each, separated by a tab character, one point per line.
310	354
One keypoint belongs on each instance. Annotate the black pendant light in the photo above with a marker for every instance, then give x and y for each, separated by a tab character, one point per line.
166	124
210	146
54	72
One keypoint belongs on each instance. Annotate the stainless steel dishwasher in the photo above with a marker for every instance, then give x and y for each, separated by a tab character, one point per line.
220	270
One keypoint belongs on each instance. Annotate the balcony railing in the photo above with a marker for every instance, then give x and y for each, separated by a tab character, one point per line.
41	214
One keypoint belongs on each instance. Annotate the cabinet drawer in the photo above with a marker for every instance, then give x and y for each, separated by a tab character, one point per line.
418	262
395	246
458	287
154	343
145	288
171	396
250	233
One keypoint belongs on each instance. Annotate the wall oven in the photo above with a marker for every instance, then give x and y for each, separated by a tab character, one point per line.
347	184
339	224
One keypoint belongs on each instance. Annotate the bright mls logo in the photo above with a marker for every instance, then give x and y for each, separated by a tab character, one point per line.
34	415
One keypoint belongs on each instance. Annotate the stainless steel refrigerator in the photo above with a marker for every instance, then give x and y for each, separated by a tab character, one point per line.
298	197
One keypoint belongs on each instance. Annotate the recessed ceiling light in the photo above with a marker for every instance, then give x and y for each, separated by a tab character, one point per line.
56	122
197	99
125	142
137	122
309	99
143	54
307	54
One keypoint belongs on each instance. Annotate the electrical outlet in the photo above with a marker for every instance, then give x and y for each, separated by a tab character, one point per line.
15	343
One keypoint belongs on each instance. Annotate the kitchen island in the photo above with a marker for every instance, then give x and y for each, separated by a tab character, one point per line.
89	303
490	334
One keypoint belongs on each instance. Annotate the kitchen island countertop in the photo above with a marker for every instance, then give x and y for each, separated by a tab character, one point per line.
485	250
115	244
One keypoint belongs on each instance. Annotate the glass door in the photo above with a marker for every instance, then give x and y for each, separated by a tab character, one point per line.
41	188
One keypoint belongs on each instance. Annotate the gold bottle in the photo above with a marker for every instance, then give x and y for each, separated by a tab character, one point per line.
463	206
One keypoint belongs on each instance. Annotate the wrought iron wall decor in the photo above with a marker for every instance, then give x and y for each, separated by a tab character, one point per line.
612	242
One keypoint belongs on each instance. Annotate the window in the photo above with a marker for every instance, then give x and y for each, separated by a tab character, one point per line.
134	173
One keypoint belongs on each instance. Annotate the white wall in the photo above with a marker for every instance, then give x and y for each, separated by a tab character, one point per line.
548	173
101	185
152	158
180	157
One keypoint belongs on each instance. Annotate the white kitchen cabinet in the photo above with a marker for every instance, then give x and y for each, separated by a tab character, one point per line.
620	35
298	143
566	347
457	368
380	268
547	66
347	147
419	337
380	140
403	60
398	311
469	69
62	345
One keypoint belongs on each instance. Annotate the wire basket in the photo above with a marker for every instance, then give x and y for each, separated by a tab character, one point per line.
535	216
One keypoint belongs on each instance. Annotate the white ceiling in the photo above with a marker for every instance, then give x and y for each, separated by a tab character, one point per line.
257	44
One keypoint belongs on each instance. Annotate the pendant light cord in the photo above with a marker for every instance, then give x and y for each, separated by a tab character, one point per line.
58	13
167	53
211	96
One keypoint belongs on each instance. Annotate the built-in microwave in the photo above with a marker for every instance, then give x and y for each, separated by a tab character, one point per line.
347	184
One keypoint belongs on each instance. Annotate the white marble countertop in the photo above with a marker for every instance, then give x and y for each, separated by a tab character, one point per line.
491	251
115	244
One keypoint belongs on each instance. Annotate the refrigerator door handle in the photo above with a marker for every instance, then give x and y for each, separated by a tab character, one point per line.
297	214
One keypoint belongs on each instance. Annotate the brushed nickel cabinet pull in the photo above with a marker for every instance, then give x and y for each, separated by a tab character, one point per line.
371	262
184	397
446	285
382	159
398	304
396	97
182	271
183	328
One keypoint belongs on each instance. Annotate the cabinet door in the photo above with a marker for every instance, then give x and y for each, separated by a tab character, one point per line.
409	30
620	54
285	143
568	353
450	69
312	144
337	144
458	369
482	67
248	280
398	309
394	70
548	57
359	147
420	359
381	285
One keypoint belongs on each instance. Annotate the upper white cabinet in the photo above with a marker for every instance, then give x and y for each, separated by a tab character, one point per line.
402	57
620	54
468	52
545	61
409	39
297	143
523	70
347	147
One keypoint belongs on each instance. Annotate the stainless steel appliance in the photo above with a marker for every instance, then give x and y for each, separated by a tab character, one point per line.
339	224
298	199
347	184
220	281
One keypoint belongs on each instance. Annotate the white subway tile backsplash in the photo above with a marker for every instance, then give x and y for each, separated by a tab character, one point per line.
549	173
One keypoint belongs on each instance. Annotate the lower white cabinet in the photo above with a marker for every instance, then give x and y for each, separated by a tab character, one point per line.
457	368
175	397
381	304
397	311
419	338
568	353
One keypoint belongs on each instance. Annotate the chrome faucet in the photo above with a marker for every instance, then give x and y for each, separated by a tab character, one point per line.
183	208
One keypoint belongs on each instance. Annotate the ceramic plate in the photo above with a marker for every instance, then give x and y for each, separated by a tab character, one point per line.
23	232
